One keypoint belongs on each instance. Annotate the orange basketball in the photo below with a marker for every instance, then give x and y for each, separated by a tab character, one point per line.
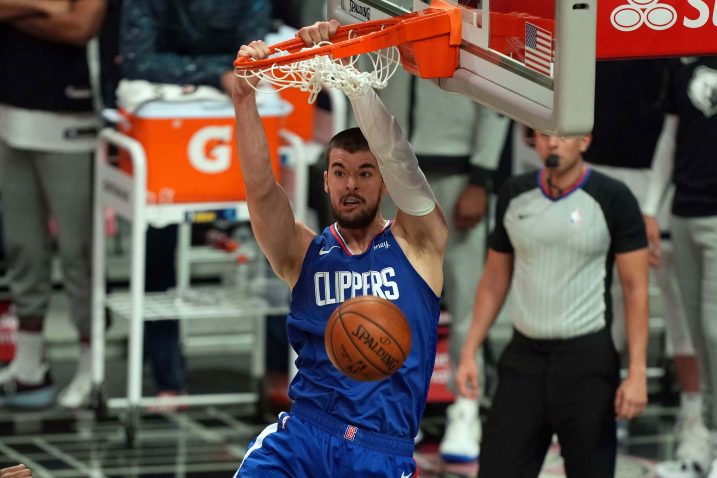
367	338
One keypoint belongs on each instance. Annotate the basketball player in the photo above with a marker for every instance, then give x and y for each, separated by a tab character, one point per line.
556	236
339	426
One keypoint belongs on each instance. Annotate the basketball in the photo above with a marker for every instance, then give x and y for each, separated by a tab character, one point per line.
367	338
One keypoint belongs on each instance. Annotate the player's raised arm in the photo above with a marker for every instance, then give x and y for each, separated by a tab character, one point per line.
420	220
420	225
283	240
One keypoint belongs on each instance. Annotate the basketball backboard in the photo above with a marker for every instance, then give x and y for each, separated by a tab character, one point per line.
534	60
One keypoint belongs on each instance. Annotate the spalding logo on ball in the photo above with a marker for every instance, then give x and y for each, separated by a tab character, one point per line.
367	338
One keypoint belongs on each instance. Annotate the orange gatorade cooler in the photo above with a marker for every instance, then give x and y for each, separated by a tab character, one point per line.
191	150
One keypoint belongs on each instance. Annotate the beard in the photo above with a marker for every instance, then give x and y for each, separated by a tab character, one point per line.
360	220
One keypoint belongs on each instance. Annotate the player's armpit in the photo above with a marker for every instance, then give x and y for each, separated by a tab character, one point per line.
427	233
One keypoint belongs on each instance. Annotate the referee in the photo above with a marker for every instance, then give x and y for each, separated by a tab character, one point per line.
558	232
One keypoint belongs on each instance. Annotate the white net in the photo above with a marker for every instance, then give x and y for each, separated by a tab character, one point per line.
354	75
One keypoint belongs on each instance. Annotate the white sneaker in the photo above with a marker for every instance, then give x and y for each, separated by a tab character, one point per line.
694	453
677	469
77	393
461	440
713	470
694	443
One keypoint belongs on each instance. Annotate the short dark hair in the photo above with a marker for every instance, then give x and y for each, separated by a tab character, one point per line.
351	140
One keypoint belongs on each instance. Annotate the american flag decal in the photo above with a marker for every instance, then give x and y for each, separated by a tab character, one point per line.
350	432
538	49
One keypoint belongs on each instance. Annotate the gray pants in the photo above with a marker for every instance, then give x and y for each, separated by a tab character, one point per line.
695	251
35	186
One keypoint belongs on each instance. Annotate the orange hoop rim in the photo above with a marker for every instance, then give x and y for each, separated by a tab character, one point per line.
360	38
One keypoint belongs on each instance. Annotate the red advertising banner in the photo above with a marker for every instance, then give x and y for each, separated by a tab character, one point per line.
656	28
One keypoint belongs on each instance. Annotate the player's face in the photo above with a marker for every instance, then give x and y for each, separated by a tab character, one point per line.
354	184
569	149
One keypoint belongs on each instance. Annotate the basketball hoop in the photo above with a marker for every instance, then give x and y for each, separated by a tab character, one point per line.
426	44
315	72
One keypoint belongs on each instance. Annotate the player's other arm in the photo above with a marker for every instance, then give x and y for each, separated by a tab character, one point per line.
420	220
490	295
77	26
283	240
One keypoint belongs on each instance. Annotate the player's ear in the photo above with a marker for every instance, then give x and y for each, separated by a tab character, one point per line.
326	182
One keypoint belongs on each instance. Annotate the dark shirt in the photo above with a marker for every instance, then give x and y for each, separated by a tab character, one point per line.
188	41
629	112
42	75
693	97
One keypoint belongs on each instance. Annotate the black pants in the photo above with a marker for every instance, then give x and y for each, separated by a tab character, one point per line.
565	387
162	341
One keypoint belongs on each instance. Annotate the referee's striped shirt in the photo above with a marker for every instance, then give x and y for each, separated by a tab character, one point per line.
564	249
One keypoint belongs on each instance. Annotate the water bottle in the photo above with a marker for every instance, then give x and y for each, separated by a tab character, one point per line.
220	240
247	253
242	277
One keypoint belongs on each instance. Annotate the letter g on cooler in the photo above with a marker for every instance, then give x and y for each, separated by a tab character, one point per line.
209	150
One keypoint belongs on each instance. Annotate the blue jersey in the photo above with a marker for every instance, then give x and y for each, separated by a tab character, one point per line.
331	274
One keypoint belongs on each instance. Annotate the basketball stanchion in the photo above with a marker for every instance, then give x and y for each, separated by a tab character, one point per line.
426	43
367	338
